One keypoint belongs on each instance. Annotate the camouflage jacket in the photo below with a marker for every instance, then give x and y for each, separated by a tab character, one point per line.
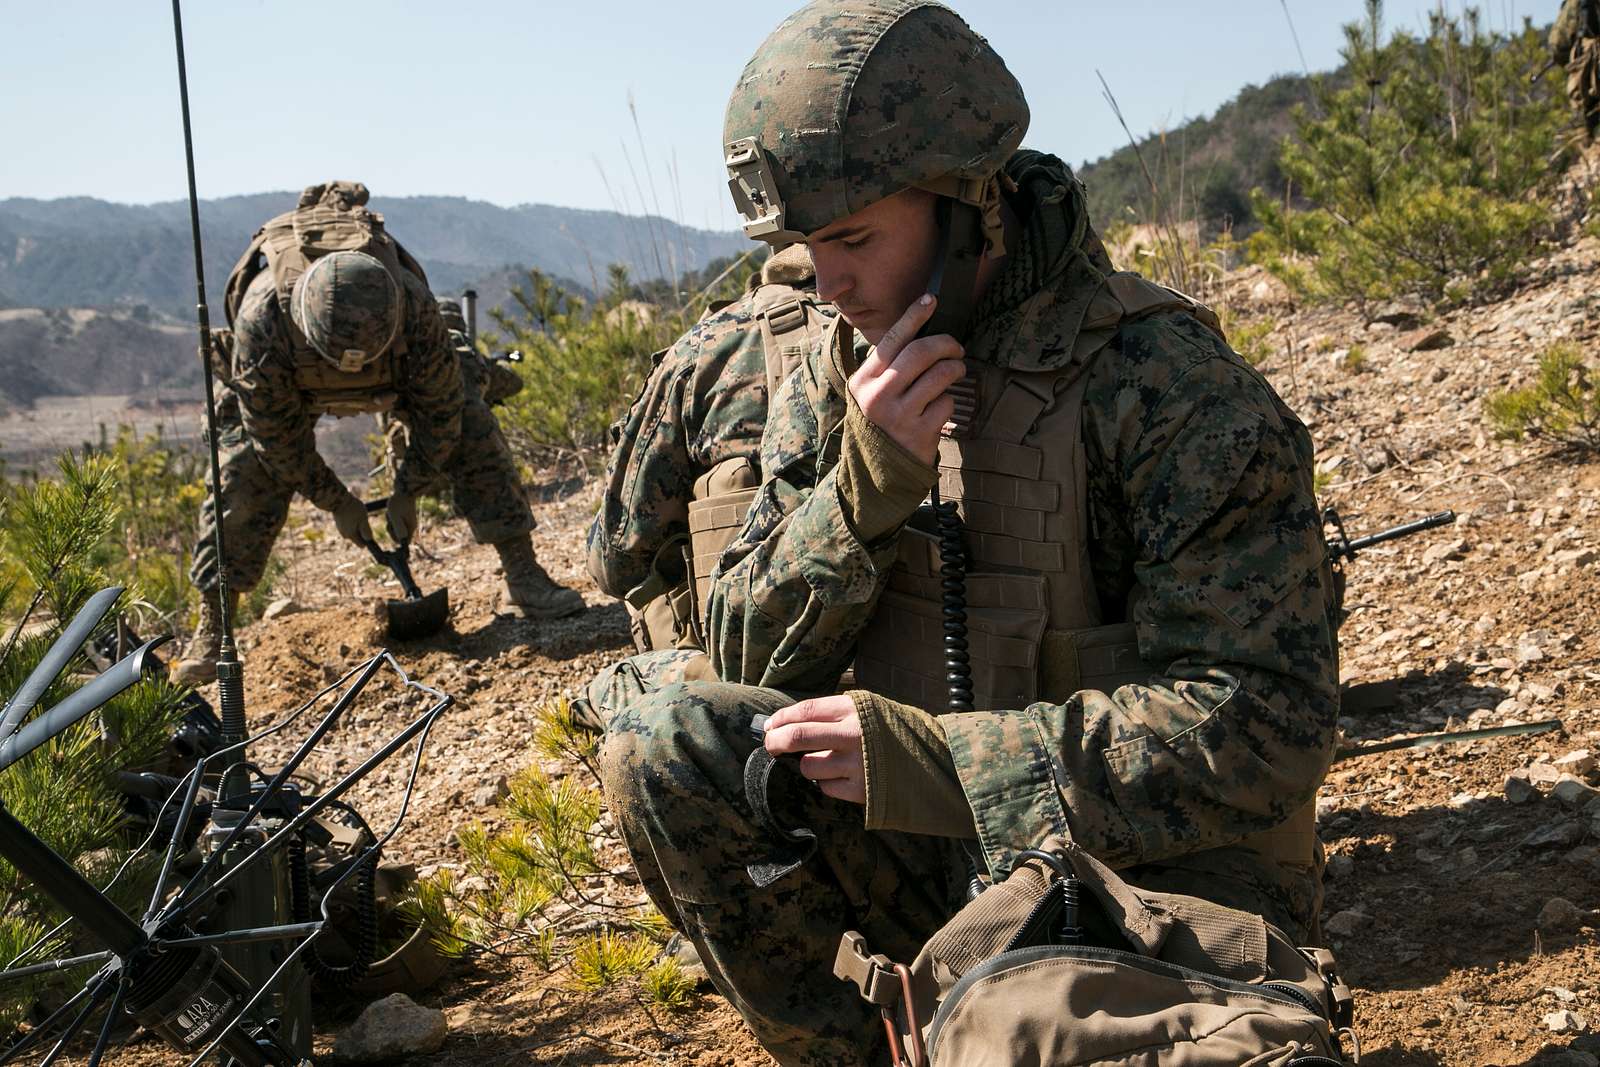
705	402
1205	535
278	417
1576	20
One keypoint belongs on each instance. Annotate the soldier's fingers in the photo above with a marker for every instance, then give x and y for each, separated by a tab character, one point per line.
902	333
817	709
853	790
915	359
933	383
820	766
813	737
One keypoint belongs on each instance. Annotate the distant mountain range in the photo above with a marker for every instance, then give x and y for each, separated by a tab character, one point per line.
98	298
81	252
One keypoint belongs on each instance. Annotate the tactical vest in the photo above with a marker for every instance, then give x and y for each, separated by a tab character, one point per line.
330	217
791	324
1036	627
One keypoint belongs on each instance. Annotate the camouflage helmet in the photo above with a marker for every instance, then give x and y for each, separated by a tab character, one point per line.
347	305
450	311
848	102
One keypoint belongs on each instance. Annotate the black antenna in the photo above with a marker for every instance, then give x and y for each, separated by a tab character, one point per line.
230	672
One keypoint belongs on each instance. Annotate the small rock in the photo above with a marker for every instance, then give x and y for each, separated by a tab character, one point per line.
1393	315
1426	340
1439	374
279	608
1445	550
1565	1022
1583	856
1578	762
1518	789
1566	996
390	1029
1347	923
1463	800
682	950
1562	834
1577	557
1340	866
1543	773
1560	916
485	796
1574	792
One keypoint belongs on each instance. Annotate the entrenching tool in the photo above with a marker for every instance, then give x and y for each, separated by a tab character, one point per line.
416	615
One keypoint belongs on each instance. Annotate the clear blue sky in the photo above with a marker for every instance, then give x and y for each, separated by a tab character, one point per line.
516	101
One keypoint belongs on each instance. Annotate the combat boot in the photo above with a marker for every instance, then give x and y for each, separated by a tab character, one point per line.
530	592
199	663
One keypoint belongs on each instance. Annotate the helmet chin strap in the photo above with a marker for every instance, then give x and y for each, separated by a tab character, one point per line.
955	269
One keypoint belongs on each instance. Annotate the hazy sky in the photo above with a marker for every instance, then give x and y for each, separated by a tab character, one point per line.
516	101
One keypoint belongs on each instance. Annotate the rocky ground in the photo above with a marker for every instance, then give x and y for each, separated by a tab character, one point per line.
1462	879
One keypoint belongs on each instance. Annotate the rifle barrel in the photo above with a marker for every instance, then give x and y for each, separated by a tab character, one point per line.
1443	518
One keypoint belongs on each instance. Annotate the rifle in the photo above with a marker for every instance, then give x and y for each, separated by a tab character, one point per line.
1368	696
1342	548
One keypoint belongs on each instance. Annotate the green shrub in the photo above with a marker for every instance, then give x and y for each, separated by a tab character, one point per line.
1562	405
1425	170
666	986
57	535
583	363
603	958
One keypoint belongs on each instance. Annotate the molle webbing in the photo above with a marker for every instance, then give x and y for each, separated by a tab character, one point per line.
713	522
722	497
331	391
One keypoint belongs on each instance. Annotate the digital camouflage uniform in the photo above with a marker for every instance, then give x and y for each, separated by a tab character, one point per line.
703	406
490	381
265	427
1204	536
1575	45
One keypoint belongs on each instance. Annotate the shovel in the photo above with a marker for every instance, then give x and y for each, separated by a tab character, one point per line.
416	615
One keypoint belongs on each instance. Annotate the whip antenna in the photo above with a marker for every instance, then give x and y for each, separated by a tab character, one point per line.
230	672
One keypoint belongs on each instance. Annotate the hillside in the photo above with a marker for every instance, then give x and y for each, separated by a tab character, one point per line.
118	279
82	252
77	351
1206	167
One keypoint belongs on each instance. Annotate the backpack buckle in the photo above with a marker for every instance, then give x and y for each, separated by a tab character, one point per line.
883	983
1341	999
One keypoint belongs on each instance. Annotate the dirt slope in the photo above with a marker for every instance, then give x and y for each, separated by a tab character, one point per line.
1437	877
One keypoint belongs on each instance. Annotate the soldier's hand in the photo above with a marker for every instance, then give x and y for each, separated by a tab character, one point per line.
902	386
351	519
402	516
827	733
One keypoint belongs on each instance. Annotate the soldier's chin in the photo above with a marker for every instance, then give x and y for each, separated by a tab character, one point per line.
868	325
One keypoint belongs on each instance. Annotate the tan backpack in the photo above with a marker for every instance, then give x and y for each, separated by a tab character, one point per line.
330	217
1064	963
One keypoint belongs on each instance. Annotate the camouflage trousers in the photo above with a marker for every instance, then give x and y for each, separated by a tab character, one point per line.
672	763
628	680
482	477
